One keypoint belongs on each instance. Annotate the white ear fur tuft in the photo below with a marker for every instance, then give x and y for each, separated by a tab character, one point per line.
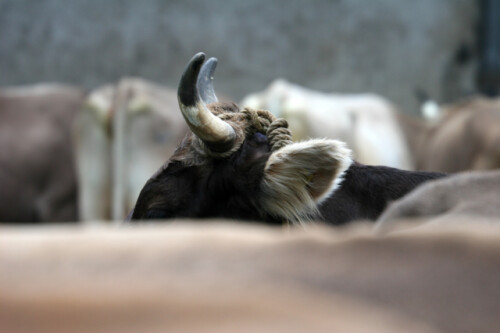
300	175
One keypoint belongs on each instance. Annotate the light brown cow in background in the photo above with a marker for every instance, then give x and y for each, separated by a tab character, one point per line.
37	177
227	278
456	198
123	136
465	137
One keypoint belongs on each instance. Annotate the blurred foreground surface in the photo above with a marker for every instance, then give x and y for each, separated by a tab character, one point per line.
192	277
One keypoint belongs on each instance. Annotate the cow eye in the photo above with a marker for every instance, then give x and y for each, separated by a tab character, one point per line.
260	138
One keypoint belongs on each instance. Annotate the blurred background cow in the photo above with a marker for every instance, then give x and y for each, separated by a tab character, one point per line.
123	134
38	182
367	123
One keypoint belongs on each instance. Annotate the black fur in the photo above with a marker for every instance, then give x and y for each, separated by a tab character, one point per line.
228	188
224	188
367	190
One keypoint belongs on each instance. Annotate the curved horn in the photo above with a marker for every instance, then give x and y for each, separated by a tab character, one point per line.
206	81
218	135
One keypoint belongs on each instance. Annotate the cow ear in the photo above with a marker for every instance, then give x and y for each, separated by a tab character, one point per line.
300	175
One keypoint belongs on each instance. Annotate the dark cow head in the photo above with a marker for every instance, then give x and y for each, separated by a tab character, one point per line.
228	166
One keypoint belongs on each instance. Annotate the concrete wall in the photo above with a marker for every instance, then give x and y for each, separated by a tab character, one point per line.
391	47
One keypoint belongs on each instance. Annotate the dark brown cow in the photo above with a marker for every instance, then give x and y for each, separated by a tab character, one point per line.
37	176
239	278
242	164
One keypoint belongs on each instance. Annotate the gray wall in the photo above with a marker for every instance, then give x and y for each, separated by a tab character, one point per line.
391	47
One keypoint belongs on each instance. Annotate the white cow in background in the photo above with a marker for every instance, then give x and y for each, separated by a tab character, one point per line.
124	134
366	122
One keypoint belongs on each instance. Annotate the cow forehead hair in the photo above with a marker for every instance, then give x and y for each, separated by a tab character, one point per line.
244	122
192	151
247	120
